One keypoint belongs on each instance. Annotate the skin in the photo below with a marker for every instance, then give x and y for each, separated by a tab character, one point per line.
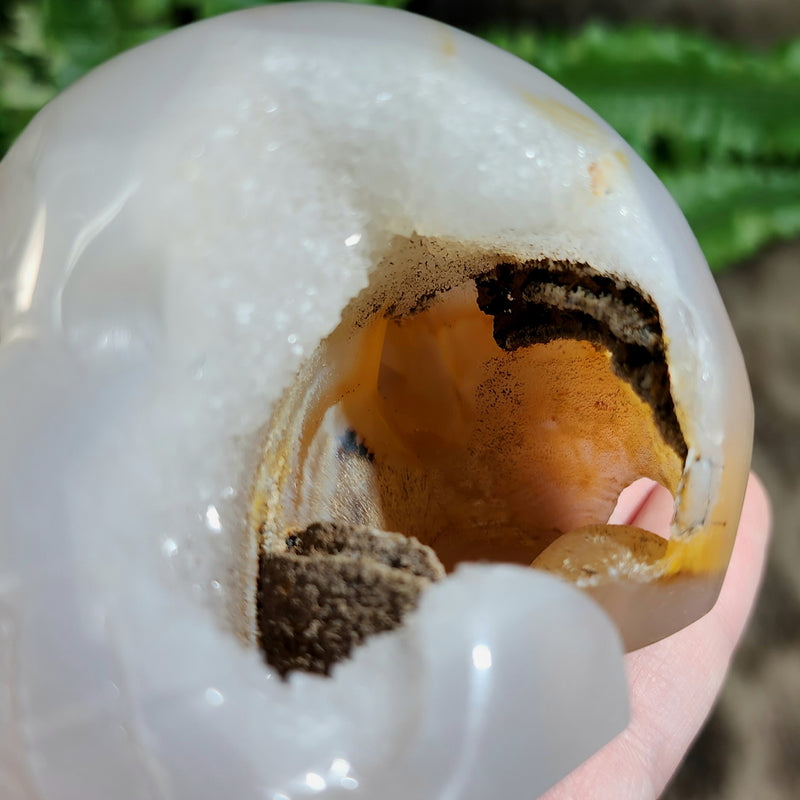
674	683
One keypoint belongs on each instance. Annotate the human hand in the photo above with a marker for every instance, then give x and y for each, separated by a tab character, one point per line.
674	683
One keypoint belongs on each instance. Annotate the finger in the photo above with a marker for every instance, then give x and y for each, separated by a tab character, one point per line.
656	513
674	682
631	500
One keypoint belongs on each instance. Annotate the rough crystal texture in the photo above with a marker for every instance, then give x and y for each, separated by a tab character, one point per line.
176	232
325	589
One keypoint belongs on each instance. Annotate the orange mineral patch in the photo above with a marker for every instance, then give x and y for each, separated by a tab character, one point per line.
490	455
488	420
604	172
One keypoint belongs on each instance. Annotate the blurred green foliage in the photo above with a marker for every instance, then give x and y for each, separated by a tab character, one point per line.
719	124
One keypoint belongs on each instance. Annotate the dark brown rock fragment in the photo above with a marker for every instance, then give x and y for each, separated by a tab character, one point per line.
325	589
544	300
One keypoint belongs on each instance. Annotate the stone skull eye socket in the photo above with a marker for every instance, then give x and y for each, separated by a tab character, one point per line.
477	420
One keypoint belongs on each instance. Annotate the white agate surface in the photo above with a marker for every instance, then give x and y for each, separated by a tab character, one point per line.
177	231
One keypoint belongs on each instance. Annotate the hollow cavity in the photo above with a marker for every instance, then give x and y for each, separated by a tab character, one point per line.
484	418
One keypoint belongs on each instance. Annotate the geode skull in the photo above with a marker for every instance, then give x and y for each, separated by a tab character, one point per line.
301	310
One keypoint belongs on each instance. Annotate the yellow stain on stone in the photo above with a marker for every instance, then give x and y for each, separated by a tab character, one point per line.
704	553
623	159
603	173
573	122
707	550
447	43
599	177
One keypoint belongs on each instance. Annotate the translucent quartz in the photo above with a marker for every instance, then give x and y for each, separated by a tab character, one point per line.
177	231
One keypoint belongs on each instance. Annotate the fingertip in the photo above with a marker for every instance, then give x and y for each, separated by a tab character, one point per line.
656	512
631	500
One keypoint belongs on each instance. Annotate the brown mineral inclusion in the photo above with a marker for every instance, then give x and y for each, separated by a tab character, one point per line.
331	586
485	417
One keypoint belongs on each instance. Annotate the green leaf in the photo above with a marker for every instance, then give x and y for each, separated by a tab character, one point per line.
720	125
80	36
678	98
210	8
25	84
735	210
145	12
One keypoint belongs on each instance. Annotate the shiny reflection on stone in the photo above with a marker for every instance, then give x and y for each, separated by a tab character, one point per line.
213	520
480	693
169	548
96	224
339	767
340	773
315	782
214	697
30	263
113	340
482	657
352	240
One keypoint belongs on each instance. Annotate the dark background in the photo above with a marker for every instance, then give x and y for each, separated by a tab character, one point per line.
759	22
